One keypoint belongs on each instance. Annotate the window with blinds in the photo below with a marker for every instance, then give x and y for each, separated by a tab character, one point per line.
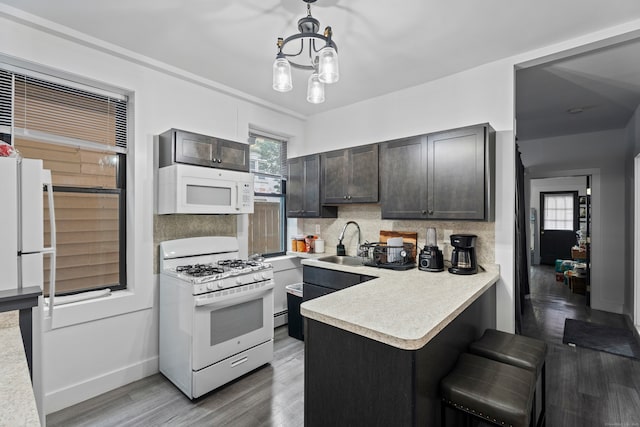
267	225
81	136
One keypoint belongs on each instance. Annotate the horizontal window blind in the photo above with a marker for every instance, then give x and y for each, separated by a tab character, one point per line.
51	112
253	136
81	136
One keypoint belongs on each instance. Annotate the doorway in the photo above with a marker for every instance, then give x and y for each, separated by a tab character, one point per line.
562	130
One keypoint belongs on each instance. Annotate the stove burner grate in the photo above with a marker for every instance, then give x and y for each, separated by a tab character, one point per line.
232	263
199	270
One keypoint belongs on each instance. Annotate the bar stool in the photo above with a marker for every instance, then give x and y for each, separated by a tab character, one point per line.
516	350
491	391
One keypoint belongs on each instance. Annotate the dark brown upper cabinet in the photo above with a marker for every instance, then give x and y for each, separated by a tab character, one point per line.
179	146
350	175
446	175
303	189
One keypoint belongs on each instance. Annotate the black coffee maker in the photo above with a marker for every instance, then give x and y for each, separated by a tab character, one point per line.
463	255
431	256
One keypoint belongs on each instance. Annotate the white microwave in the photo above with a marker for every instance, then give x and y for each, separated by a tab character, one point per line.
186	189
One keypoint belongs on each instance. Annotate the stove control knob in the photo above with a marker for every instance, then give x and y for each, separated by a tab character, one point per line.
265	276
239	281
256	277
219	284
211	286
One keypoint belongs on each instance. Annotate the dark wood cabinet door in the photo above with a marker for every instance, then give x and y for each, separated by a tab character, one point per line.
303	189
295	187
232	155
311	191
404	178
456	174
334	177
362	174
193	149
350	175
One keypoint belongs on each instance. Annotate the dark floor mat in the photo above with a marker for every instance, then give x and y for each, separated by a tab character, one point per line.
601	337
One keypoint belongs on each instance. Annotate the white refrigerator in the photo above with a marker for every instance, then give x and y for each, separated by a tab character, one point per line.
22	194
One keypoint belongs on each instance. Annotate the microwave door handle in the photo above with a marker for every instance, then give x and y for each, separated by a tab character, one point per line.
237	196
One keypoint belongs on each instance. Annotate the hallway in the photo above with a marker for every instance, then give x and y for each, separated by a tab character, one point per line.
584	387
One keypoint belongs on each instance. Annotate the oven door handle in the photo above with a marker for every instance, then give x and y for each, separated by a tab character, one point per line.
226	302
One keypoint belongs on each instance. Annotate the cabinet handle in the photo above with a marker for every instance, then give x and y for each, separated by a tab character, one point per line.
349	197
345	197
424	212
430	211
219	160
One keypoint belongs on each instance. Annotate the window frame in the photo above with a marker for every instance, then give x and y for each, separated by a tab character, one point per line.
139	294
283	192
121	191
575	206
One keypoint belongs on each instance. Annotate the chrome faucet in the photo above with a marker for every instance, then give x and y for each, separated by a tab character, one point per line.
340	250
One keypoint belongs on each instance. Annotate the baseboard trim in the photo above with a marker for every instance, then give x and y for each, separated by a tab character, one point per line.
79	392
632	327
606	305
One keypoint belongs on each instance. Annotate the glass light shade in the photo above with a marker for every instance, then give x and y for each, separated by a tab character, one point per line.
282	75
328	70
315	90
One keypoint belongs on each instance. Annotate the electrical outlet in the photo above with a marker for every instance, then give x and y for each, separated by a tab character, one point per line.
317	229
447	235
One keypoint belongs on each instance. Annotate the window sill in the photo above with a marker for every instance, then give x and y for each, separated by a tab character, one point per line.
118	303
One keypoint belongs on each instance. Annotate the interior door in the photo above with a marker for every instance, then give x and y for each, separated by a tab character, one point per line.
558	225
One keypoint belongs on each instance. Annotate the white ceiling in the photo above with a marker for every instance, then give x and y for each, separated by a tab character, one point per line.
384	46
593	91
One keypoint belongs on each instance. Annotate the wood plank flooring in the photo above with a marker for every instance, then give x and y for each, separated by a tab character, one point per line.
269	396
584	387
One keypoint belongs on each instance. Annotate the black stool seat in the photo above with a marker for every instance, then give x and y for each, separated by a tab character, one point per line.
490	390
516	350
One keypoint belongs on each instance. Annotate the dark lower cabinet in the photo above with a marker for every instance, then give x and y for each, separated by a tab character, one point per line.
351	380
322	281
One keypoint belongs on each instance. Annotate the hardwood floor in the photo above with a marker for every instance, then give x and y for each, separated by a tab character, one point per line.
269	396
584	387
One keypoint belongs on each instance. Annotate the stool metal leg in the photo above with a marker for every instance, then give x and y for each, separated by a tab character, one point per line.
543	398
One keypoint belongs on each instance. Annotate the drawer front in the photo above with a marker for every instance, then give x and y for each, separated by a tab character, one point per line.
331	278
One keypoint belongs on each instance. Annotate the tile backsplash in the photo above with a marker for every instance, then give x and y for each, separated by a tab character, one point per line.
169	227
369	219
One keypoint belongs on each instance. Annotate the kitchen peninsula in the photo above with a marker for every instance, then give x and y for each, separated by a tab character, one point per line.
375	352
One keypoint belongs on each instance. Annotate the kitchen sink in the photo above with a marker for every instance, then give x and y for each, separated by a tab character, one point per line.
342	260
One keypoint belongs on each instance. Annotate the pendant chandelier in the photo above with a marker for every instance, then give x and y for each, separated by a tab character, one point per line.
316	53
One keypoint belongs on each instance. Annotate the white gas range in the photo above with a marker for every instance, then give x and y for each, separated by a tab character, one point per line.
216	313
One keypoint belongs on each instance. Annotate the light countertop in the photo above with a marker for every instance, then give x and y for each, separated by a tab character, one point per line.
17	402
404	309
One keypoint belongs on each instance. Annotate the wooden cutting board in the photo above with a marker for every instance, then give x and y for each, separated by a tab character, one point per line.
407	237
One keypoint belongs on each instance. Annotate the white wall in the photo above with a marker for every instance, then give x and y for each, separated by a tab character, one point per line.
537	186
601	155
101	345
127	332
